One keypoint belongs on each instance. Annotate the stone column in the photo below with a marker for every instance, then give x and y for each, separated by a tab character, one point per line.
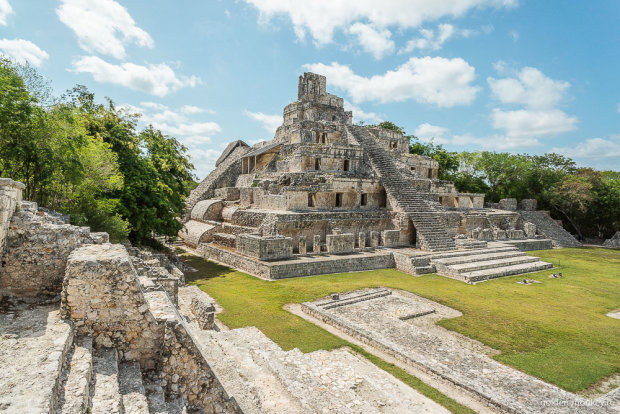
374	238
316	248
362	240
302	245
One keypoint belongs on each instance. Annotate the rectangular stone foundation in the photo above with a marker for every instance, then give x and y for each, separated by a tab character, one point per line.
301	266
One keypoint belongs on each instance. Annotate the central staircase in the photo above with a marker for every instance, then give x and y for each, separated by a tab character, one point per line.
430	231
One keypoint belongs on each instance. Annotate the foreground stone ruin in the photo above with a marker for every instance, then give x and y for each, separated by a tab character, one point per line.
324	194
89	326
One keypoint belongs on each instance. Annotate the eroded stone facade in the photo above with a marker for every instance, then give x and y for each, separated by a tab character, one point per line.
322	177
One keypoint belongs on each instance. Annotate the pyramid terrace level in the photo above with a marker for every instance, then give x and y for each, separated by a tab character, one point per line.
325	186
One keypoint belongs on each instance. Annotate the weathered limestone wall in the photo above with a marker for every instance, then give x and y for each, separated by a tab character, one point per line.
37	248
102	296
207	210
340	243
10	197
265	247
232	259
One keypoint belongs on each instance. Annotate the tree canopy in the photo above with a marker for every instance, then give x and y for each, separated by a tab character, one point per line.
90	160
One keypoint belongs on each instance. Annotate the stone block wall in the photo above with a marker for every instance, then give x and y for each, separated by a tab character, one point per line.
10	197
340	243
37	248
188	374
265	247
391	238
102	296
227	193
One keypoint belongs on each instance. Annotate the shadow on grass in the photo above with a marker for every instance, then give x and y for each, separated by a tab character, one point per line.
205	269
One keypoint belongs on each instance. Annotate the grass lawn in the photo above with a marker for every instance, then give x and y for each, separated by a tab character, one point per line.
555	330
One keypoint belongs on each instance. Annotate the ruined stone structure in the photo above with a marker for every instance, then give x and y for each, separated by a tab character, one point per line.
326	186
92	327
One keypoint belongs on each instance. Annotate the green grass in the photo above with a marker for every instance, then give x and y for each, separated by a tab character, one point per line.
555	330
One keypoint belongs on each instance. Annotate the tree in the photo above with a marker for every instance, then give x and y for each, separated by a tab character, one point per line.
571	197
448	161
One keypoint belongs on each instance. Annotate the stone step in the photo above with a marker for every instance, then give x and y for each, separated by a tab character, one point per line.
131	388
34	346
481	275
105	397
491	264
455	260
240	360
79	369
460	253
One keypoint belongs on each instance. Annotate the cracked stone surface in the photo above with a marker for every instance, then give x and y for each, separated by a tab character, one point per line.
33	344
464	362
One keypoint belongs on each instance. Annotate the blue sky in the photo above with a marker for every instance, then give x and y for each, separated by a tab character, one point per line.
506	75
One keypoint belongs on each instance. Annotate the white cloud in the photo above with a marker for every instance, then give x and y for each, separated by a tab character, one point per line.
428	132
360	114
430	40
322	17
158	80
514	35
23	51
191	109
5	11
270	122
102	26
373	40
431	80
177	123
531	88
527	123
593	148
540	117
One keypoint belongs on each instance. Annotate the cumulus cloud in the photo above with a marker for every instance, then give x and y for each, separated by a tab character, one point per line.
530	88
360	115
431	80
270	122
23	51
374	40
176	123
428	132
102	26
593	148
540	117
321	18
525	123
432	40
158	80
5	11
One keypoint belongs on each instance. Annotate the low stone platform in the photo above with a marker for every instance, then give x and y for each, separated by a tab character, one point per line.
478	265
419	343
34	342
300	265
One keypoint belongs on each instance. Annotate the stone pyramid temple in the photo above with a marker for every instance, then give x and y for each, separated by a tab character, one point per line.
326	195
